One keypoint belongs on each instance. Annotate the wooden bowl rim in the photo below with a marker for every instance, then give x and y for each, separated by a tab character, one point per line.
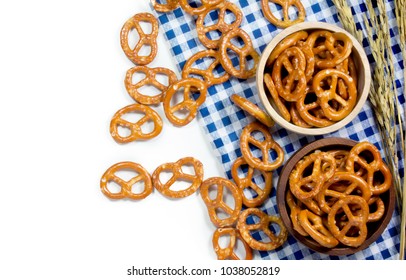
282	207
366	73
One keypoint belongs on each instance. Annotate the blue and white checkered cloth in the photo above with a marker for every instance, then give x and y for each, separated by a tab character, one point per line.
223	121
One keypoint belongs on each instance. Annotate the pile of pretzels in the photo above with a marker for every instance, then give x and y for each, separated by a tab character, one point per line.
230	221
234	43
334	194
312	79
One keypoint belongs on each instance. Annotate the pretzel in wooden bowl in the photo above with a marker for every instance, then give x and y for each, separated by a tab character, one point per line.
336	214
298	75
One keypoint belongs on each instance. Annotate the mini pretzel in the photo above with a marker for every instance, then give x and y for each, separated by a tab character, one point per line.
296	118
221	25
135	128
379	211
190	86
219	202
265	146
285	60
310	61
263	225
178	175
145	39
294	213
286	21
306	111
242	71
164	8
275	97
316	40
252	109
150	79
343	179
228	252
313	225
341	157
126	186
299	183
247	182
357	220
206	4
286	43
338	52
376	165
207	74
325	96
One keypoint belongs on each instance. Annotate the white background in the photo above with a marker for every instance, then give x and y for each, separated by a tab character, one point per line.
62	71
61	80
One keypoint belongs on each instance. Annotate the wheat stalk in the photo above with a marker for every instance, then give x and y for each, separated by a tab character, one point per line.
400	11
383	95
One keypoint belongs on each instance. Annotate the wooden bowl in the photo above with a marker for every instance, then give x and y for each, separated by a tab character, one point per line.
375	229
361	63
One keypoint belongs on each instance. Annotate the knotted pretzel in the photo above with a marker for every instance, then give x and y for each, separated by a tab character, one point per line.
219	203
338	52
209	76
268	144
286	43
294	213
135	128
228	253
164	8
327	95
294	62
205	5
307	110
286	21
276	239
243	70
149	80
349	183
220	26
305	184
377	214
355	219
313	225
252	109
190	86
145	39
283	111
247	182
372	166
178	174
296	118
126	186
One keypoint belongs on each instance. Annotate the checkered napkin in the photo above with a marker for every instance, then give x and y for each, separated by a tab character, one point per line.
223	121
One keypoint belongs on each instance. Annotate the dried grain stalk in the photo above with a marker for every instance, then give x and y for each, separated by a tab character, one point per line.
383	94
